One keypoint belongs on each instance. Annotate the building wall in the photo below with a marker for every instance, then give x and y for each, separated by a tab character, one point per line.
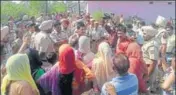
143	9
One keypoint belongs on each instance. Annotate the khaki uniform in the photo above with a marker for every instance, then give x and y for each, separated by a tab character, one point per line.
161	36
43	43
150	51
68	32
57	37
171	44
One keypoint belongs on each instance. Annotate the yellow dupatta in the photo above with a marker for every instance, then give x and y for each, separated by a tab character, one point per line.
18	68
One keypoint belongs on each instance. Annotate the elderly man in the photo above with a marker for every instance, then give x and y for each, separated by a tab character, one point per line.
150	54
43	43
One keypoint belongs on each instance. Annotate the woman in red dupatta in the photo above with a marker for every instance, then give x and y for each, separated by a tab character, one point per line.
137	65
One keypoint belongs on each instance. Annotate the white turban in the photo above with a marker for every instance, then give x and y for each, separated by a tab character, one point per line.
84	44
4	32
149	30
161	21
46	25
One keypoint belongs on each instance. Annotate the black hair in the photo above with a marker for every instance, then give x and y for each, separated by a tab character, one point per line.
2	47
31	25
121	64
170	27
51	58
130	26
37	28
57	23
120	27
80	24
142	23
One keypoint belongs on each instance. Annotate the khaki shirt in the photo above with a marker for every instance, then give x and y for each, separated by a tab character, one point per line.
171	44
150	51
161	36
68	32
57	37
43	42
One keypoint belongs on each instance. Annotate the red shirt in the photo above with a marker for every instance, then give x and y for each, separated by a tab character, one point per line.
122	46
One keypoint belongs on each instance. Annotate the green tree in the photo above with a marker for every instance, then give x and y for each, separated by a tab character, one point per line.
59	7
98	15
9	8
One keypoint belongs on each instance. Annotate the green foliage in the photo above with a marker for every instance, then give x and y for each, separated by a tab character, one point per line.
98	15
11	9
59	7
31	8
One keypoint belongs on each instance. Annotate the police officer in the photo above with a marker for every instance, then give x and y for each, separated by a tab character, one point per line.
42	42
150	53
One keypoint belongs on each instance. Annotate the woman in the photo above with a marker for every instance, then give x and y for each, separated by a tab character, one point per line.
168	85
58	80
84	53
137	66
102	65
68	70
18	80
35	63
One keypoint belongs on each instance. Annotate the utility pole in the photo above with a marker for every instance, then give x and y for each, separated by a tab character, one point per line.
79	7
46	7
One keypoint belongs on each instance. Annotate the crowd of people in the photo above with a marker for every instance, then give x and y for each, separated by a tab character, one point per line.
67	54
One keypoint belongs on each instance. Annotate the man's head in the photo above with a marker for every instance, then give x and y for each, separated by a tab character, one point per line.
148	32
92	22
170	29
4	33
46	26
161	21
141	23
129	27
121	64
65	23
31	27
57	26
37	28
121	31
80	28
96	24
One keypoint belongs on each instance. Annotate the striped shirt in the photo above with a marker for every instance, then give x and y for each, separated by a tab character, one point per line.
124	85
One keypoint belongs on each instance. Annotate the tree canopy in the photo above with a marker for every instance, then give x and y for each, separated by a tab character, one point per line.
31	8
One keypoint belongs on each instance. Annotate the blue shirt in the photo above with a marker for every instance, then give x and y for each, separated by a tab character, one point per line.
124	85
